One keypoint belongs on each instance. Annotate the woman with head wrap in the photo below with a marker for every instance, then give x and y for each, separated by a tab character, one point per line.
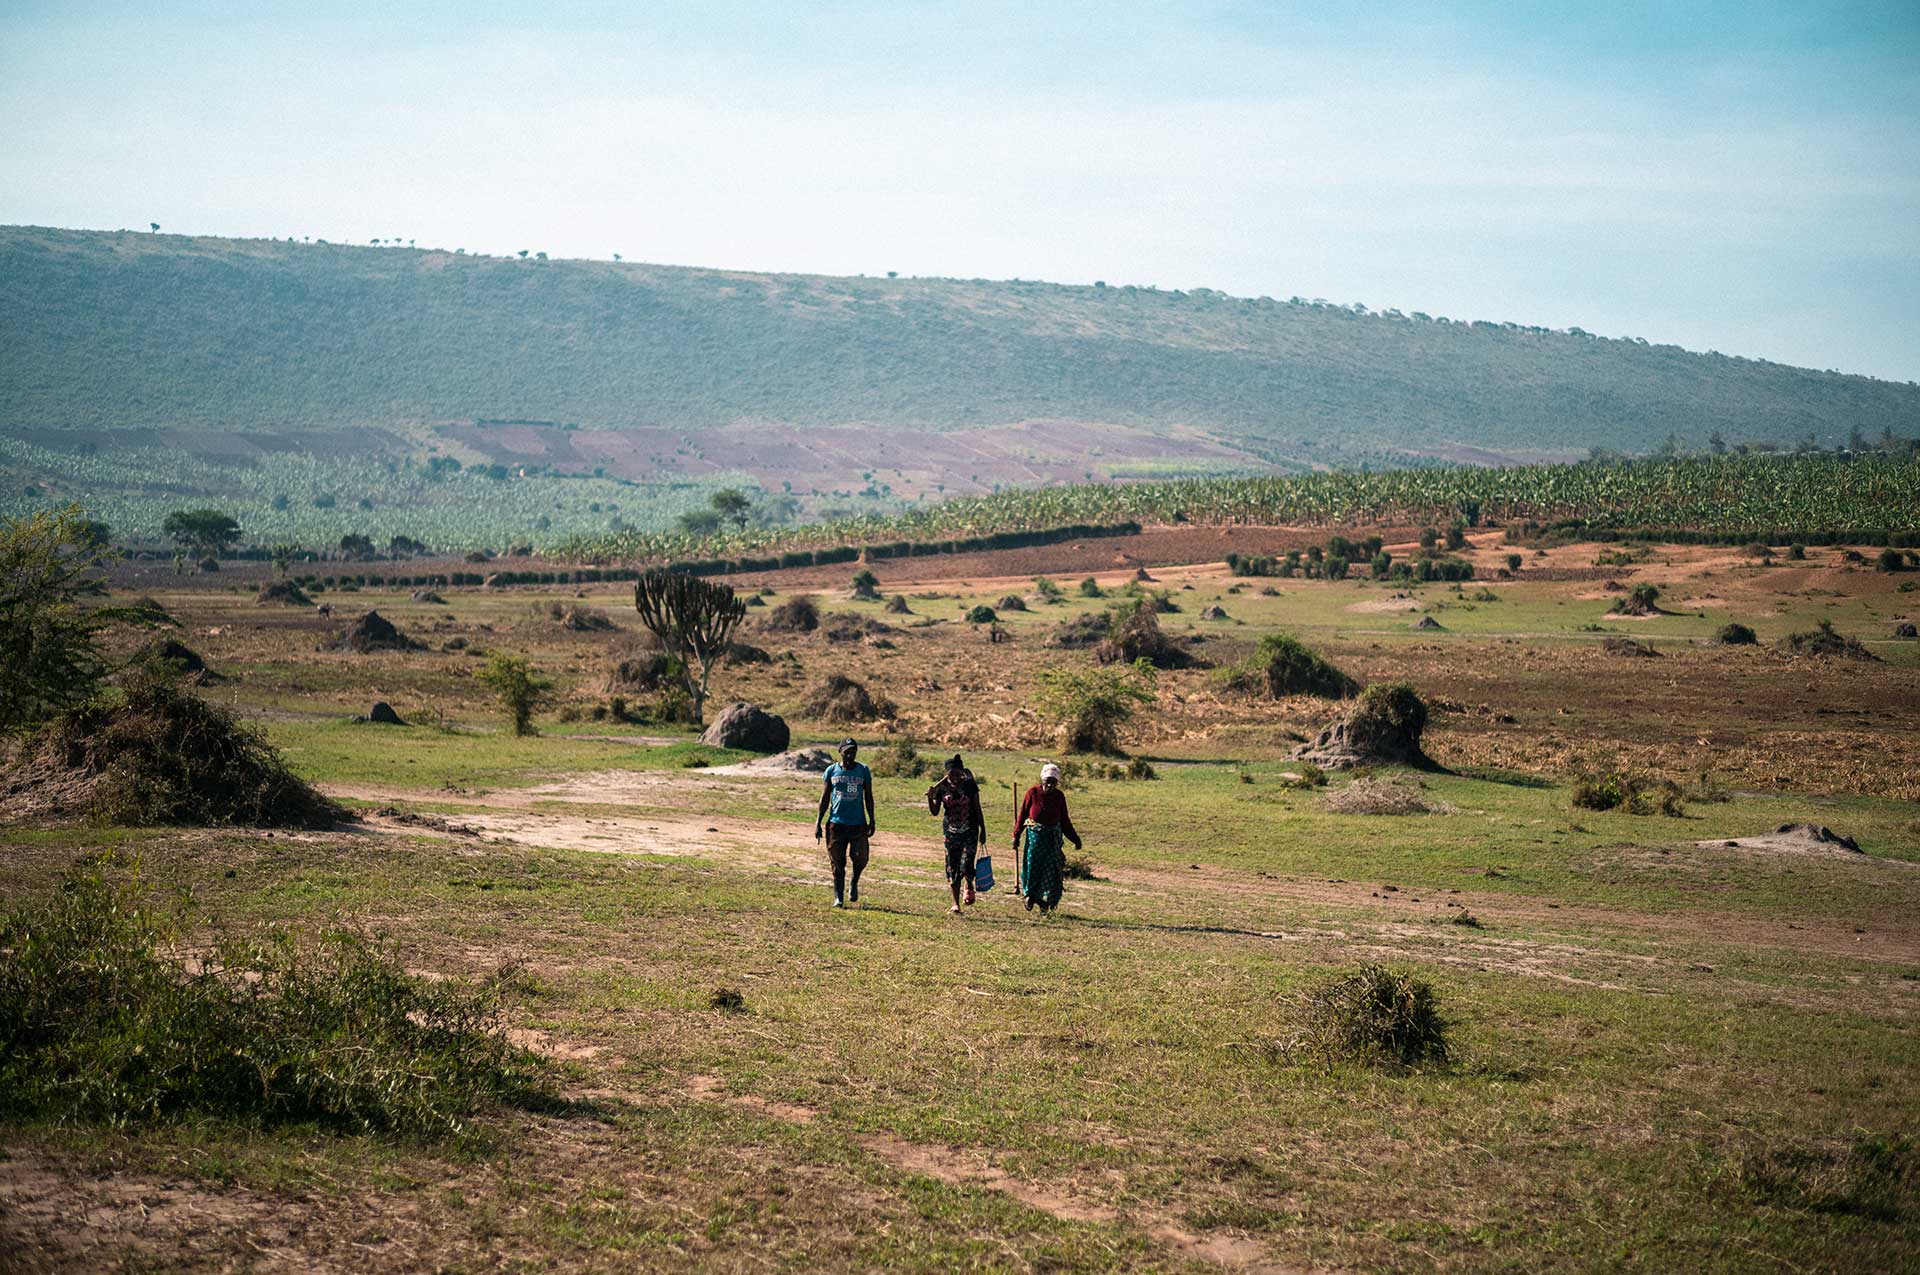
1037	834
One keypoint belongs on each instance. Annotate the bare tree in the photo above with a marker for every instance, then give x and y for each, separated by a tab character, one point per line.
694	620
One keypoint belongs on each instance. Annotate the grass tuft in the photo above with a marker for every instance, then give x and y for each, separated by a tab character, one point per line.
1372	1014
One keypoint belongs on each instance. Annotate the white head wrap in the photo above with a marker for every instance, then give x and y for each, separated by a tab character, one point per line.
1049	771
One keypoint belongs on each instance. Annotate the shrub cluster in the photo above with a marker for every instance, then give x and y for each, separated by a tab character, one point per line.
103	1018
1634	794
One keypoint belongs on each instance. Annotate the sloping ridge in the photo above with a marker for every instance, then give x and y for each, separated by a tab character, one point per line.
131	330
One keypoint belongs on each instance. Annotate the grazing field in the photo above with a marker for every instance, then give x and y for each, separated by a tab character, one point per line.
1673	1041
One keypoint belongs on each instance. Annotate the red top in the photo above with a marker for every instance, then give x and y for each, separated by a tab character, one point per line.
1044	807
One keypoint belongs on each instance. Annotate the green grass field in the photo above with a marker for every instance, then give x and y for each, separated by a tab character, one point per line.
1663	1055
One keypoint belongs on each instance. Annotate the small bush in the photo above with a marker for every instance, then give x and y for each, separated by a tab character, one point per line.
1797	551
1891	560
1012	602
1282	666
1135	635
1080	867
1091	705
1308	776
729	999
521	689
1376	1013
105	1016
1736	635
982	614
1630	793
899	759
1047	590
866	586
1090	588
1643	599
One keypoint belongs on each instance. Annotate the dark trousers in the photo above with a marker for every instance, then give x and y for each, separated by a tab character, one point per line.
961	848
844	841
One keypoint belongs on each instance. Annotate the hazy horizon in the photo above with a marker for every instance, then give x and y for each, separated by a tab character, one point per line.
1733	178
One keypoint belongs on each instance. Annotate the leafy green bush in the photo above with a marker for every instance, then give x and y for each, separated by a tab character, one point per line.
1634	794
521	689
1280	665
982	614
1736	634
1091	705
105	1016
1309	776
50	658
1090	588
899	759
1891	560
1375	1013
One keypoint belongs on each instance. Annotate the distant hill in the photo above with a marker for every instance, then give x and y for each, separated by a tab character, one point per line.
130	330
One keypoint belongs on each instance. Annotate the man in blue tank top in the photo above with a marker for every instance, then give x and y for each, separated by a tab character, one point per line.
846	808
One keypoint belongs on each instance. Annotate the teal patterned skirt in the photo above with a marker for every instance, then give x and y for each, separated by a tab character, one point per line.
1043	866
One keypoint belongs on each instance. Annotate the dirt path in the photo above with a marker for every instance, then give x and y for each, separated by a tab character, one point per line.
961	1168
1564	941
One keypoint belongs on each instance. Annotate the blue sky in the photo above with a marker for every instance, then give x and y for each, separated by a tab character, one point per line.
1742	177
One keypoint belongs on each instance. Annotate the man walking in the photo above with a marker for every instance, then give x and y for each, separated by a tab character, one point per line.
846	806
956	799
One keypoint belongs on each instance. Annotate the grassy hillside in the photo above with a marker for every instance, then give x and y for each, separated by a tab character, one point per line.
122	330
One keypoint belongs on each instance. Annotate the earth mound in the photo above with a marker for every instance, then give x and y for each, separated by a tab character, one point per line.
579	619
374	632
1628	647
381	714
1086	630
1824	643
897	605
1383	726
284	592
178	659
1012	602
800	761
645	672
750	727
1795	838
841	699
1215	613
795	615
160	755
1428	622
1372	796
739	653
844	627
1905	631
427	597
1139	637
